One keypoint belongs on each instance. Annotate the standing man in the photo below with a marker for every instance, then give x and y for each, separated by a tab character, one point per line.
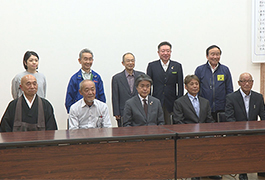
29	112
215	80
143	109
72	95
123	86
167	79
88	112
245	105
192	108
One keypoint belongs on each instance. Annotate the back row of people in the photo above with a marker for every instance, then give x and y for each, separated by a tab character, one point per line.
166	74
132	104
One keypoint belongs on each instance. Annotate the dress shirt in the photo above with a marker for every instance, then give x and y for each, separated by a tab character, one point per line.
130	79
143	99
81	116
165	66
213	69
196	104
246	99
86	75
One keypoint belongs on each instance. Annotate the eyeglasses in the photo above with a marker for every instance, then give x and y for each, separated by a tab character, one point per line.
246	81
129	60
144	86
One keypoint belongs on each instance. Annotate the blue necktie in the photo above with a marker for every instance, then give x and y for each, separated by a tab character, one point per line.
196	106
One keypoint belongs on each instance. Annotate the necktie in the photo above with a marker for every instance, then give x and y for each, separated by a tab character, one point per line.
145	107
196	106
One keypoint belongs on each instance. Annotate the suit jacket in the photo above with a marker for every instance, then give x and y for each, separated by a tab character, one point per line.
134	114
165	83
121	91
235	107
184	112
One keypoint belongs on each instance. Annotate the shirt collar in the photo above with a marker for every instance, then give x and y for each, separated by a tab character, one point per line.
29	103
143	98
192	97
84	72
213	69
83	103
127	74
243	94
163	64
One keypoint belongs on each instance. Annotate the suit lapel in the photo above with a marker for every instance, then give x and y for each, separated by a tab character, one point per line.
241	103
139	105
190	106
252	106
136	74
124	81
150	106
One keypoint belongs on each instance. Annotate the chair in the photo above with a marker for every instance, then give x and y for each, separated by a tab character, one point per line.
221	117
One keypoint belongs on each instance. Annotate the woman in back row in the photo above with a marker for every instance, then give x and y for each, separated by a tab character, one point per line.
30	62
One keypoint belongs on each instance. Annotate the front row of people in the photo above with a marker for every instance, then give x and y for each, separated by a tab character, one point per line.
142	109
29	112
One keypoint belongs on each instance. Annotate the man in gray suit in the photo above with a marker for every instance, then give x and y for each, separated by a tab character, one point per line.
245	105
192	108
123	86
143	109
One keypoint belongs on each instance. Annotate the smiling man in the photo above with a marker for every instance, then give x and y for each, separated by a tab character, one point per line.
88	112
167	79
123	86
143	109
215	80
72	95
245	105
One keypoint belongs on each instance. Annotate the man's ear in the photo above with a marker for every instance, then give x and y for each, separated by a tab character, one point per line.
20	87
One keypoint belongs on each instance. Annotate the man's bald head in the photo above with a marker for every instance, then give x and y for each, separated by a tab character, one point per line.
245	82
29	85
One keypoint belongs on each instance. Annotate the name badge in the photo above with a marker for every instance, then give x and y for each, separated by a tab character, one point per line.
220	77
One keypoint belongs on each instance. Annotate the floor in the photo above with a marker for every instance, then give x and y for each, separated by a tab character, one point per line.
251	176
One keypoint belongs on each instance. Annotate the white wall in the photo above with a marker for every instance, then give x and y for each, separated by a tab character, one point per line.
58	30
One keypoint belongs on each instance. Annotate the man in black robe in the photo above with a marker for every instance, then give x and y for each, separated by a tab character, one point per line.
29	112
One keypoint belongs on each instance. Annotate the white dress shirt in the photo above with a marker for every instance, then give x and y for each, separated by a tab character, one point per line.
81	116
246	99
165	66
86	75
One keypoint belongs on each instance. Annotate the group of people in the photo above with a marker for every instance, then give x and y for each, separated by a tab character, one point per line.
138	98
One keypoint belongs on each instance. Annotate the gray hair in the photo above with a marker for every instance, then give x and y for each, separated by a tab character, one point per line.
85	51
143	77
126	54
86	80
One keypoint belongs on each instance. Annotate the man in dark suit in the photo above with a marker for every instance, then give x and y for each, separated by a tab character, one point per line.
192	108
123	86
143	109
167	79
245	105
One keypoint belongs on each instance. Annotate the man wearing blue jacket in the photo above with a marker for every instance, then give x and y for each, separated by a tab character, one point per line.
215	80
215	83
73	95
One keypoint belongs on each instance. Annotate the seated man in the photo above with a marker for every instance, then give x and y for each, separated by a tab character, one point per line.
29	112
143	109
245	105
192	108
88	112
